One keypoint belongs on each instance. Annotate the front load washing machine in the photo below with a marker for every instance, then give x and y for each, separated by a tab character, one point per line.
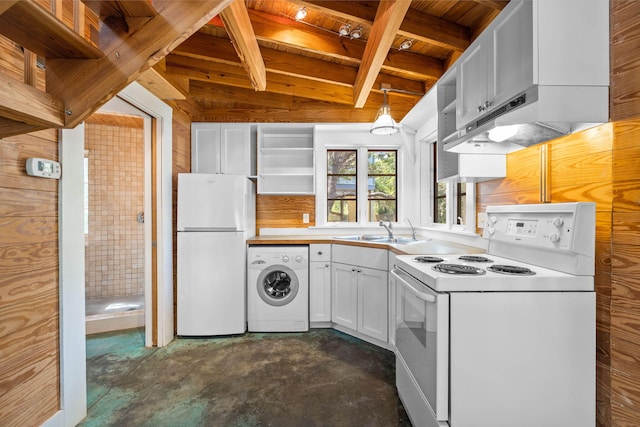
278	288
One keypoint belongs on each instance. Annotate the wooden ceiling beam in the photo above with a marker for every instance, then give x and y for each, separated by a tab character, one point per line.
163	85
235	95
385	26
10	127
23	103
121	8
238	25
303	111
433	30
87	85
286	31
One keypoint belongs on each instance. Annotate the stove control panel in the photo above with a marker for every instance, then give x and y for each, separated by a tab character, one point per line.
556	235
542	230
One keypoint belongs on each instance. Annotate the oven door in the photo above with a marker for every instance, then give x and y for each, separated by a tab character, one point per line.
422	339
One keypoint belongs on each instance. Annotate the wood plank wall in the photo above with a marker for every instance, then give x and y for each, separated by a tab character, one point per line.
29	313
284	211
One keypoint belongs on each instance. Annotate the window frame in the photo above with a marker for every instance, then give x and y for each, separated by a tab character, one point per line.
395	198
361	189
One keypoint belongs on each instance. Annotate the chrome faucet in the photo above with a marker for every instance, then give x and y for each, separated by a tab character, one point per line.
413	230
388	227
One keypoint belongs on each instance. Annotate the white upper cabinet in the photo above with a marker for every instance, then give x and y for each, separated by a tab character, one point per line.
559	46
221	148
498	65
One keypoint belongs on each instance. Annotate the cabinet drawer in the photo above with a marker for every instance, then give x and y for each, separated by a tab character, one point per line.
356	255
320	252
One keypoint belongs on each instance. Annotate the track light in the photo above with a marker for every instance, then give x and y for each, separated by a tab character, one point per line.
356	34
344	30
406	45
301	13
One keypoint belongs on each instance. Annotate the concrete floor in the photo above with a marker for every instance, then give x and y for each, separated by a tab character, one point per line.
317	378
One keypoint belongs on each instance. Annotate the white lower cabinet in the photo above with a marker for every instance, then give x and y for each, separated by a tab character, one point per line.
319	283
359	290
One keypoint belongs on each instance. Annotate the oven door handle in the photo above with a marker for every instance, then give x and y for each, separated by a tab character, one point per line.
406	280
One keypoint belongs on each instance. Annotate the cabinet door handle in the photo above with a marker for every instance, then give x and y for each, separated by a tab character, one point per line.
319	252
359	271
353	269
326	265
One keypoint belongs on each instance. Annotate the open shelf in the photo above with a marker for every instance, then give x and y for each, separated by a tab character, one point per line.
286	160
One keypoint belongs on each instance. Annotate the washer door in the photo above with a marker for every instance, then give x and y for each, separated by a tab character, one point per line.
277	285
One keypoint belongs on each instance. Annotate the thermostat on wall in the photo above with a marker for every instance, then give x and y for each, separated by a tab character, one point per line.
43	168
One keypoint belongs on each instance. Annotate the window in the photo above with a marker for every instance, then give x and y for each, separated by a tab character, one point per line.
381	186
342	180
350	185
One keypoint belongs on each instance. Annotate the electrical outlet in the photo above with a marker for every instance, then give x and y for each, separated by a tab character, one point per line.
305	218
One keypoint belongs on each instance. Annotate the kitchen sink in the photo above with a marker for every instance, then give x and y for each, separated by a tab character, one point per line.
363	237
378	239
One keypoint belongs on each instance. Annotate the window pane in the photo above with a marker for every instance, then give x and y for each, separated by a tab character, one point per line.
341	187
382	210
382	162
341	211
440	214
441	189
341	162
382	187
462	204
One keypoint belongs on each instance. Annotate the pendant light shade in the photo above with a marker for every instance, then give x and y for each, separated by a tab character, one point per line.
384	123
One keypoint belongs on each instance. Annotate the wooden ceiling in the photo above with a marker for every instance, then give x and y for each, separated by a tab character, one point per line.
228	60
256	60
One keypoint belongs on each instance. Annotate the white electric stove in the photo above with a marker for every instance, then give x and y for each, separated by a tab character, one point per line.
504	338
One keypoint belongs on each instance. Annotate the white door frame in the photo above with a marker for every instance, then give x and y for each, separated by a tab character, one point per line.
73	382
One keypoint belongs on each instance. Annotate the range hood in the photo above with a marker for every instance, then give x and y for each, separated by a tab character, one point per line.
539	114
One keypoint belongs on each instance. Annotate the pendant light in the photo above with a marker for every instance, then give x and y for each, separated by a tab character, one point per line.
384	123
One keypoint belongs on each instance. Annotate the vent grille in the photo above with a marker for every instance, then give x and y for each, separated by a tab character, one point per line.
514	103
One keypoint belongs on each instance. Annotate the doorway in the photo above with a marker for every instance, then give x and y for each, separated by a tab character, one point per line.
117	142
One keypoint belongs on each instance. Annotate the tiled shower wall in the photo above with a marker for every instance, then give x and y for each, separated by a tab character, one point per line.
114	252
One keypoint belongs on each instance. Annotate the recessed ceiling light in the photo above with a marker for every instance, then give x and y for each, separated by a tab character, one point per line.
301	13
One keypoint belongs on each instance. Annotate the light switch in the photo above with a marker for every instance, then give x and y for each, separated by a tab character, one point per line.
305	218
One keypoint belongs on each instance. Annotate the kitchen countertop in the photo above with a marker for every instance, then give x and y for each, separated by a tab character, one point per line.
423	247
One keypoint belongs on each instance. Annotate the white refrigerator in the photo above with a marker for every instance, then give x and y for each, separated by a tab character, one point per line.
216	215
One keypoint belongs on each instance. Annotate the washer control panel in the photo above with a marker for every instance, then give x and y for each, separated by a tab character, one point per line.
292	256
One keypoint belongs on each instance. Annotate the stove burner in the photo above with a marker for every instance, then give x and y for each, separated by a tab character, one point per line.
474	258
511	269
458	269
425	258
